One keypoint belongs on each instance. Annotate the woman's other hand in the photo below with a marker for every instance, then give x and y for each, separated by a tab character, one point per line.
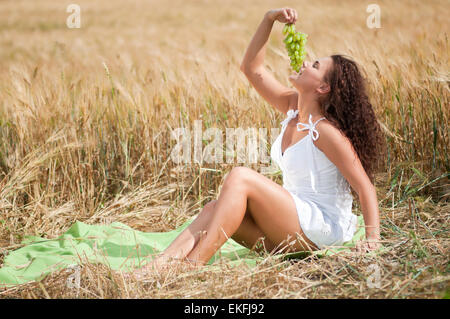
367	245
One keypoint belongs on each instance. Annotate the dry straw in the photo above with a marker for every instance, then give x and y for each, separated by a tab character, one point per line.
86	116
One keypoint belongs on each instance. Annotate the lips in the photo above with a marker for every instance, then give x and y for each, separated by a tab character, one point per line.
297	74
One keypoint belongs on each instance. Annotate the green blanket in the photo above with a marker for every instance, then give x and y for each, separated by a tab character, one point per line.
119	247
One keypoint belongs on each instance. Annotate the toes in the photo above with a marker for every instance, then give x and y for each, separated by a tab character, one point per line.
157	267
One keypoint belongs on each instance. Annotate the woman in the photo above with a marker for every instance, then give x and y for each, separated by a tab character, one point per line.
313	208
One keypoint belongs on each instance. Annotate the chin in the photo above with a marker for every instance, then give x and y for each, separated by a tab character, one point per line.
294	79
297	85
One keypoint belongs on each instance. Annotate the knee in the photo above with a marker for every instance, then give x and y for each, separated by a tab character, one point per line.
238	176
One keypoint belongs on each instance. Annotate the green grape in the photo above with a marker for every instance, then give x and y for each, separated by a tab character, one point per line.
295	45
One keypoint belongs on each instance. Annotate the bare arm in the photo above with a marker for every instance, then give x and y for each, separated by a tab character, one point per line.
340	151
369	206
278	95
256	51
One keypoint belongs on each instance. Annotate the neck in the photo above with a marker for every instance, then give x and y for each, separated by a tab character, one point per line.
306	105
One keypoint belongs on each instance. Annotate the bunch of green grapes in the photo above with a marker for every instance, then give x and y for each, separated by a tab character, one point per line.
295	45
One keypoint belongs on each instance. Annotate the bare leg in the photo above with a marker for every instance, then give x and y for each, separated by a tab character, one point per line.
182	244
189	237
249	207
248	234
229	214
270	205
251	236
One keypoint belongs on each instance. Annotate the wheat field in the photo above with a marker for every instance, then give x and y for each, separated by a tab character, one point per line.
86	116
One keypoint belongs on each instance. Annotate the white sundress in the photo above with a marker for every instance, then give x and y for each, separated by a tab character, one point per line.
321	194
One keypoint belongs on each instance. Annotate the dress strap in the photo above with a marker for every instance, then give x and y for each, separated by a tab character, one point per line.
290	115
311	127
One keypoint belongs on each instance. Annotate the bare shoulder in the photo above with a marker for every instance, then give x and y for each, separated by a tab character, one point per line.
331	137
339	150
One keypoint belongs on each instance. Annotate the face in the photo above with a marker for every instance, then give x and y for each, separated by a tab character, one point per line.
311	76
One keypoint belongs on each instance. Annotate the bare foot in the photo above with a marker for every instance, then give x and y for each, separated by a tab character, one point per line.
188	264
161	265
155	266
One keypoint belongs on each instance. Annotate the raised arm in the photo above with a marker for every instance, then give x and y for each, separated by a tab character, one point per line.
278	95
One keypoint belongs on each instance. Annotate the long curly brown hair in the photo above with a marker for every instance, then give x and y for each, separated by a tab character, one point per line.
347	106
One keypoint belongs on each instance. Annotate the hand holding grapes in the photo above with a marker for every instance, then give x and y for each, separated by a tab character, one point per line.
295	41
283	15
